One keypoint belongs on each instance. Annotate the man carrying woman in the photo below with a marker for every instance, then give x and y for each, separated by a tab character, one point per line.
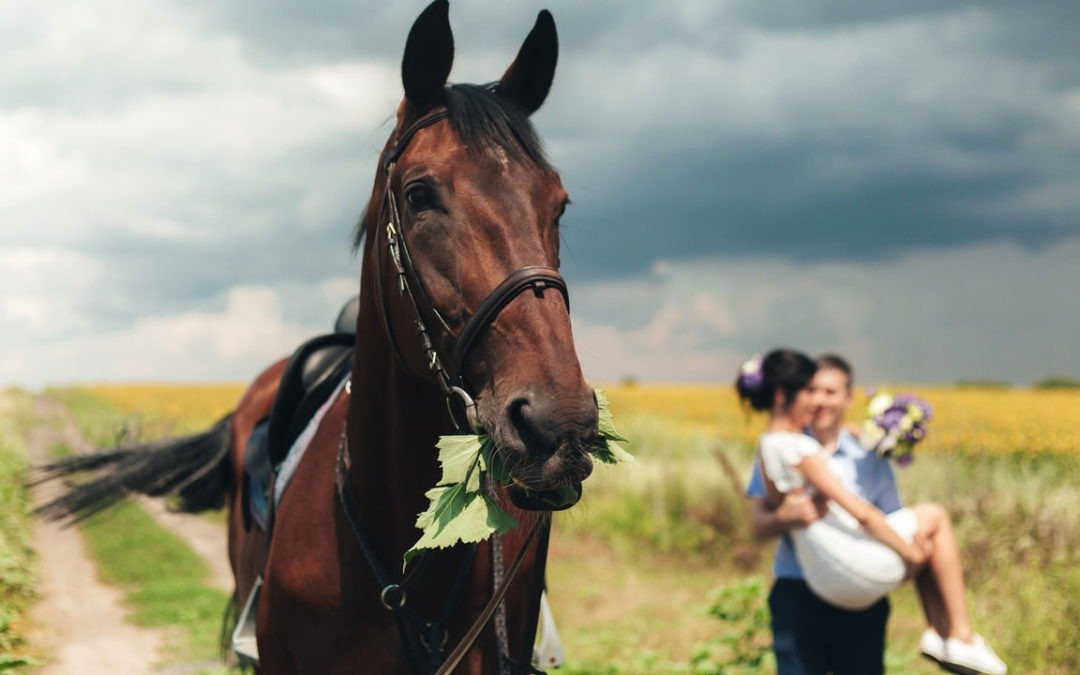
793	480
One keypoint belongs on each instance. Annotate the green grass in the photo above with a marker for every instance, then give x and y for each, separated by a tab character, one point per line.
1017	520
671	527
164	582
16	556
655	571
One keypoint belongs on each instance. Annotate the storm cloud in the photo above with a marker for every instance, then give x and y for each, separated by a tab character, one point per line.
169	162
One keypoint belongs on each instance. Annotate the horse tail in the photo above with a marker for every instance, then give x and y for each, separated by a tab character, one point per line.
195	469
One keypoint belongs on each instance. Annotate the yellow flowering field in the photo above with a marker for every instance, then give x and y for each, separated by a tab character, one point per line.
998	421
982	421
176	408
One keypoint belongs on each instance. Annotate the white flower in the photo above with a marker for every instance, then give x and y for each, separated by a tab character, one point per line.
887	444
871	435
751	366
879	404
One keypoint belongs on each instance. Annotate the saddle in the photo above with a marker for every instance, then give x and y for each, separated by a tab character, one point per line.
311	375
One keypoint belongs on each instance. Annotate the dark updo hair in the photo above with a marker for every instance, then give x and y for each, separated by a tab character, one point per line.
783	370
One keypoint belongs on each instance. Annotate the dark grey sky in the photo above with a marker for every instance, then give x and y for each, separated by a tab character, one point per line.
170	168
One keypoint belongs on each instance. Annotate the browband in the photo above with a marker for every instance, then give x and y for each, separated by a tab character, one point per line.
407	135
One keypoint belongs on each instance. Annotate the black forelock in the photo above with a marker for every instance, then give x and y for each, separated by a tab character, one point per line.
484	120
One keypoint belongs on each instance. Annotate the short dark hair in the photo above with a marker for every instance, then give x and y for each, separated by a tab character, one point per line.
783	370
837	362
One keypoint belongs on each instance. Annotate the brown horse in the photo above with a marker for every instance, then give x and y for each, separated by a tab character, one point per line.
459	301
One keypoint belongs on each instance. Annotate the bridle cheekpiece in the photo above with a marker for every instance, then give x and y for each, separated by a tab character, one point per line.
448	373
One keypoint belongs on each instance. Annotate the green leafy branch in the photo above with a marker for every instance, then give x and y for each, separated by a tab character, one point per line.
460	511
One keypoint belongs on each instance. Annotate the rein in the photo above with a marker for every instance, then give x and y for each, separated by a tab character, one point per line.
432	634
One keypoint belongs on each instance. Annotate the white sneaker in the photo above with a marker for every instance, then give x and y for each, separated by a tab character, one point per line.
932	646
974	657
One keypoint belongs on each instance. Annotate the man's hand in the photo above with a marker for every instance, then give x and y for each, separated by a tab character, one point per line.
797	509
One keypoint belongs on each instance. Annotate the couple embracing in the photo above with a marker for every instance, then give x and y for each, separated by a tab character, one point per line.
845	539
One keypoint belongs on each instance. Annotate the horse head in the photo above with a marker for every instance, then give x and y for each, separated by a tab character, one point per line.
464	220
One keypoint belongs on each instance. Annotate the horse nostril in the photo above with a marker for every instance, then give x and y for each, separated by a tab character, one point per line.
522	414
516	410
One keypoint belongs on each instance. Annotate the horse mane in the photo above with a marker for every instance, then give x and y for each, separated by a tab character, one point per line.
483	120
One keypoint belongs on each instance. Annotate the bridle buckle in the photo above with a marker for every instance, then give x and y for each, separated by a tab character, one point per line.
393	597
472	415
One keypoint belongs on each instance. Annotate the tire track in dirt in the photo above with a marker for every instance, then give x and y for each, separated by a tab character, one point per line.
206	538
79	621
77	612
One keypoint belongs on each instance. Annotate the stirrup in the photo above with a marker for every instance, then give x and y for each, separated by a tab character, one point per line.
243	637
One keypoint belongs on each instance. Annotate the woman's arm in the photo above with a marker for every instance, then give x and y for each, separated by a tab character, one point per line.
817	473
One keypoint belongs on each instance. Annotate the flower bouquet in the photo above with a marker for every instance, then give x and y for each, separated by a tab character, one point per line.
895	424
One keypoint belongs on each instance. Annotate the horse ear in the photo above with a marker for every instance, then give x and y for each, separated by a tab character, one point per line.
528	79
429	54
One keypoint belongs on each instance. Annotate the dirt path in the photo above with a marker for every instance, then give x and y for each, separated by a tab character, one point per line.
205	537
81	622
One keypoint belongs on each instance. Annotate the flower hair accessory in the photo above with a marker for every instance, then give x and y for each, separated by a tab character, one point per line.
750	375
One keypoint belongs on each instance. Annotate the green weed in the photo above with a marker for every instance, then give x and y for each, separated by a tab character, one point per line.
16	557
1017	518
164	581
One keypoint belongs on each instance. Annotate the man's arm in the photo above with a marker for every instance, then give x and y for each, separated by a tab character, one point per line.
797	510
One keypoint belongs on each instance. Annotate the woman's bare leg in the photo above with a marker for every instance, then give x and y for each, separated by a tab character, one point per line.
932	604
941	584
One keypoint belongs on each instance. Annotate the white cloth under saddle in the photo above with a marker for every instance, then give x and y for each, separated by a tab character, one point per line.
300	445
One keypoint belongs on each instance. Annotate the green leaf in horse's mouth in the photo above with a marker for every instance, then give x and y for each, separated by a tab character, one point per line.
460	511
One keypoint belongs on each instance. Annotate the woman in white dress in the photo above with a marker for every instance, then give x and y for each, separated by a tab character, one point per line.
856	554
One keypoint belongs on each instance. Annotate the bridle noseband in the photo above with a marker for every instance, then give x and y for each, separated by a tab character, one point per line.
449	374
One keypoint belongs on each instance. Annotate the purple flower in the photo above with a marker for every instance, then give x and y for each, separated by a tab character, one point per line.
891	419
751	376
751	381
903	400
891	414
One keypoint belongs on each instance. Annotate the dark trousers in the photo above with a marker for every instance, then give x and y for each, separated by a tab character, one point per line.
811	637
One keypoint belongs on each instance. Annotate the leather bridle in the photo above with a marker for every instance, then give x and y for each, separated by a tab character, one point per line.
448	373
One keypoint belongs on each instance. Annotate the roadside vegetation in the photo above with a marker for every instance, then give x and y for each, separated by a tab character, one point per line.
16	557
656	571
672	529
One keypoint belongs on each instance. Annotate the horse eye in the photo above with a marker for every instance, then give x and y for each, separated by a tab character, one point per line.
419	197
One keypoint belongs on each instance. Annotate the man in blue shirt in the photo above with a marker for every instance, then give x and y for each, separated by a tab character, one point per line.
811	637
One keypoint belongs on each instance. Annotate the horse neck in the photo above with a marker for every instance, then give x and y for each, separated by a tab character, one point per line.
394	421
